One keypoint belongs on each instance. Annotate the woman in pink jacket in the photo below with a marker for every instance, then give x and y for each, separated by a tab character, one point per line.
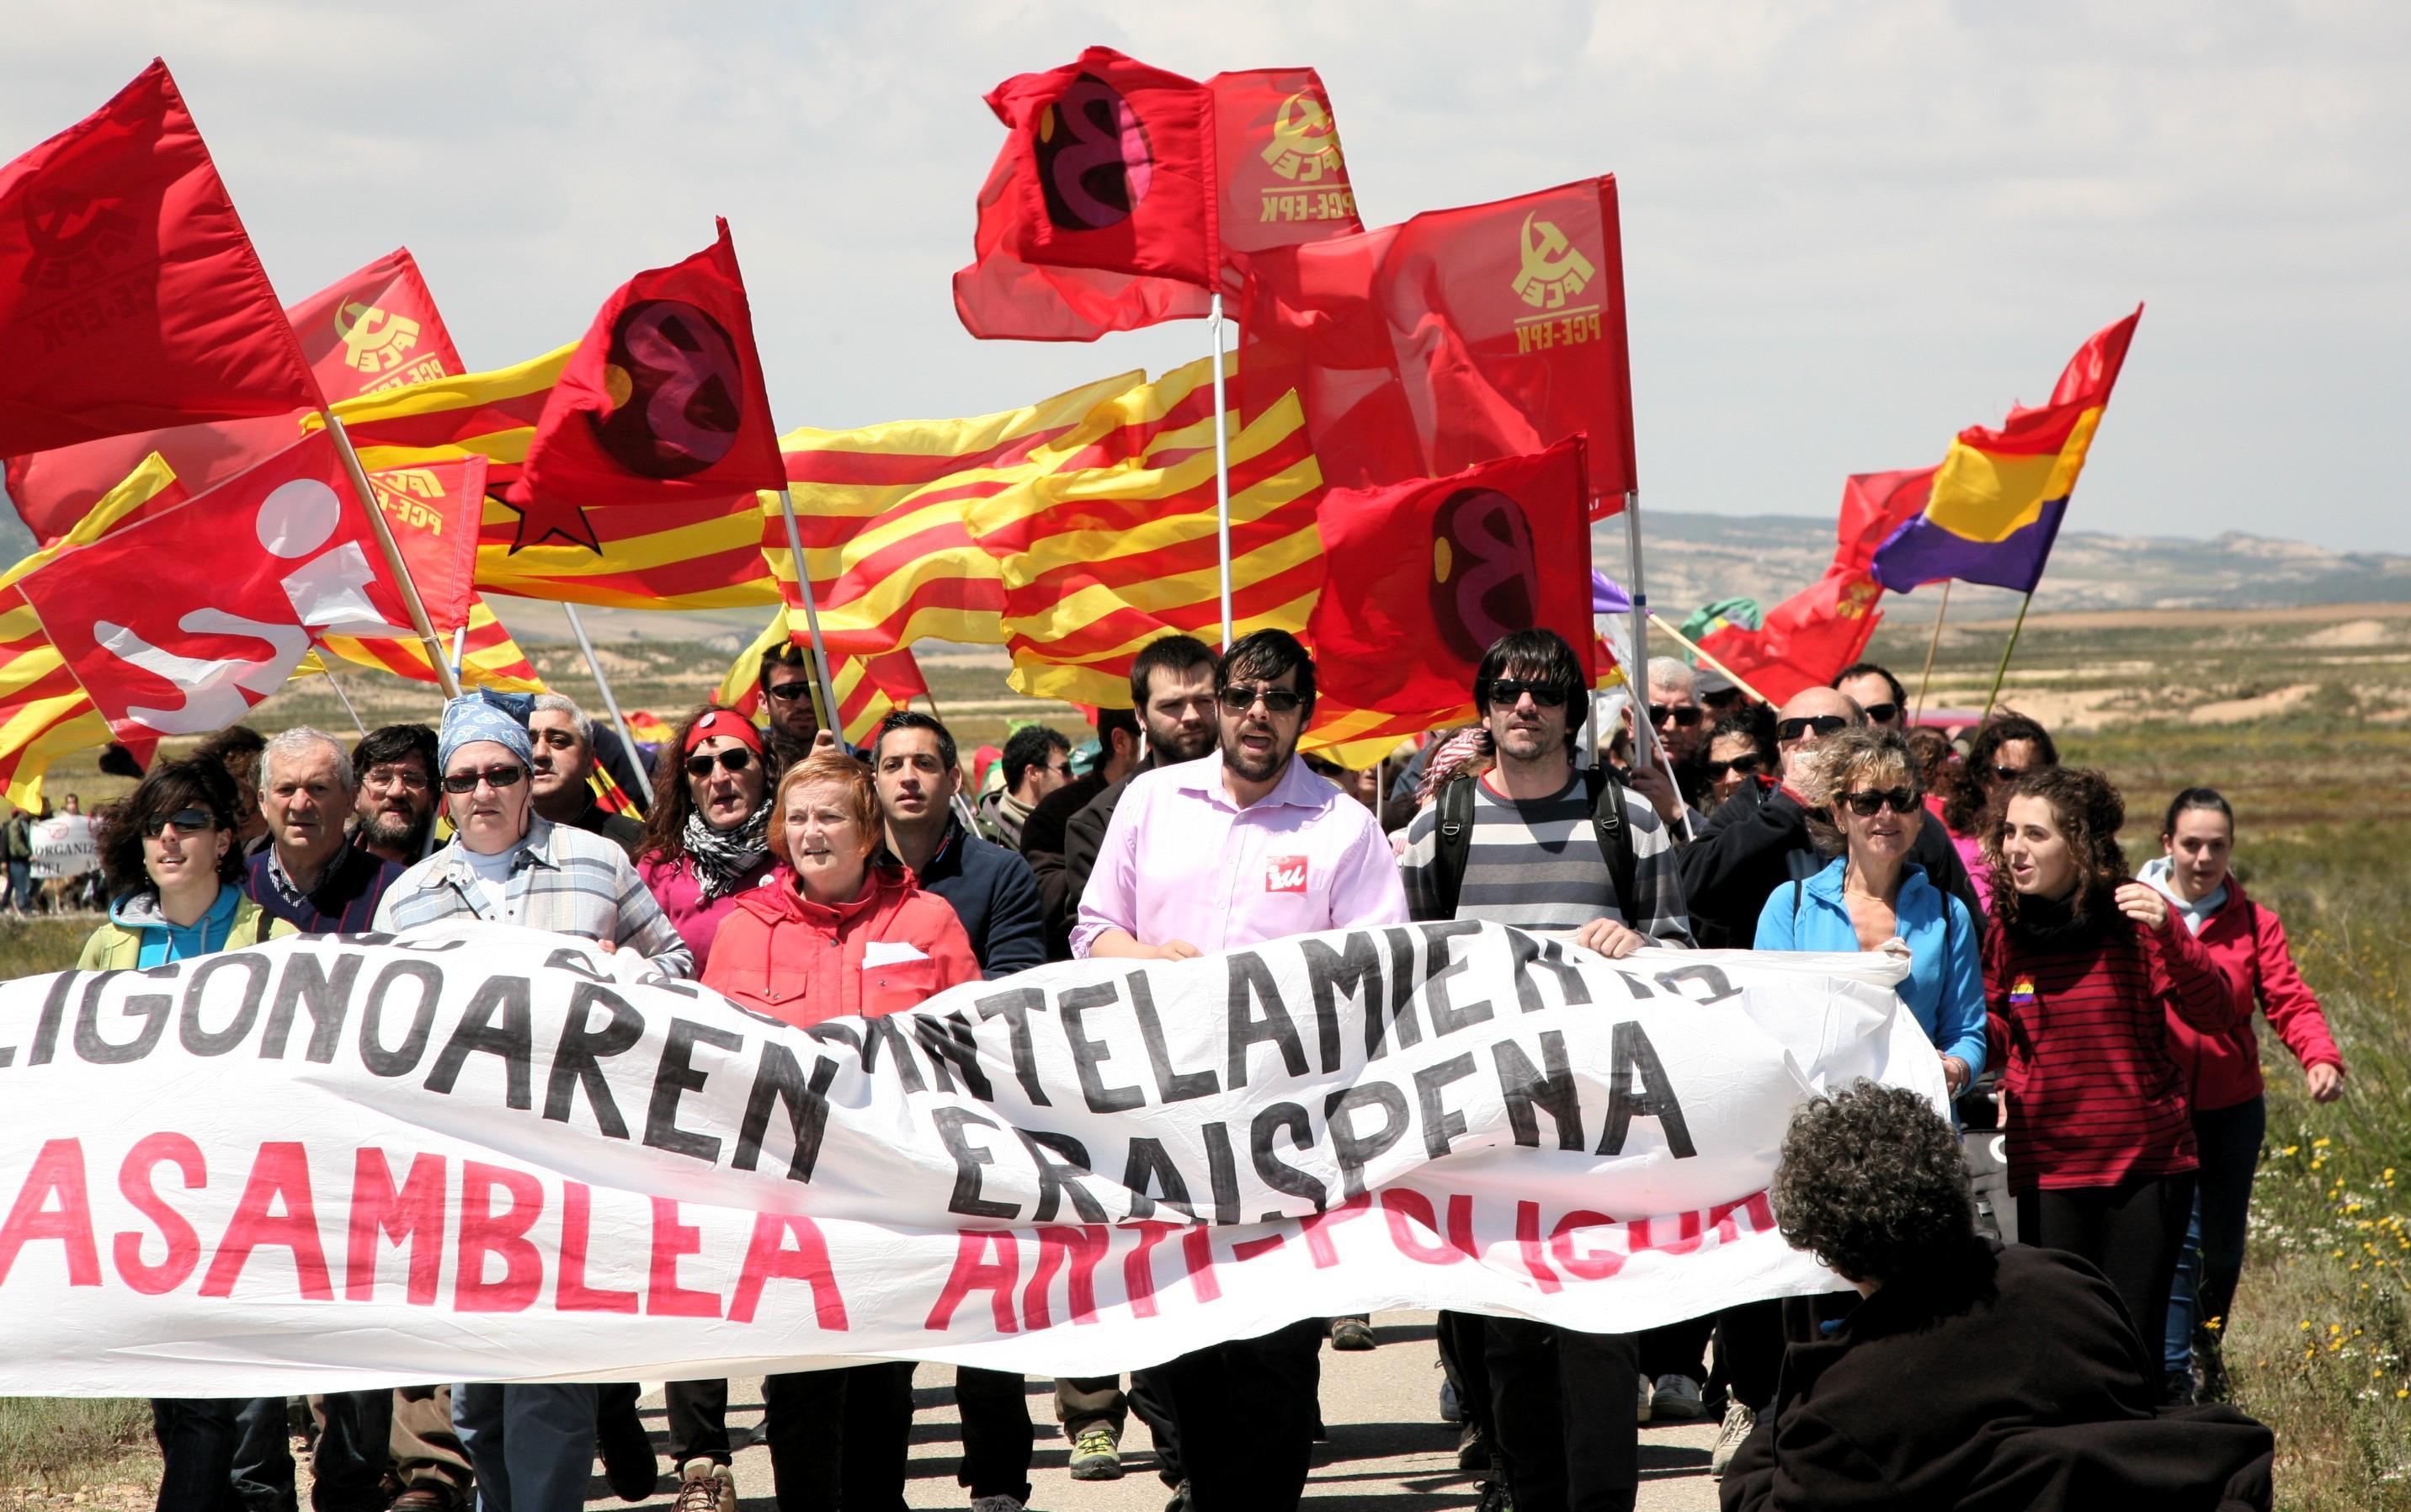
2222	1070
707	841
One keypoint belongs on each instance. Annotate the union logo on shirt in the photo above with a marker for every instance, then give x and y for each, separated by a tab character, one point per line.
1285	873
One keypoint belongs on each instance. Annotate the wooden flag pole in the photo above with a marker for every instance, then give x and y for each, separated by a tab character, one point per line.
821	679
603	686
1221	466
1693	647
2003	670
1927	676
410	598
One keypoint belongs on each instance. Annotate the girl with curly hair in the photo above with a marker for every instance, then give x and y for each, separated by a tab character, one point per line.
2079	977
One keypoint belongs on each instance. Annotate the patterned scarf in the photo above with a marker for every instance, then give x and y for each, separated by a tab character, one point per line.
721	857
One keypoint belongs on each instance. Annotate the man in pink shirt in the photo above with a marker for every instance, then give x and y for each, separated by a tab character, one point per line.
1233	849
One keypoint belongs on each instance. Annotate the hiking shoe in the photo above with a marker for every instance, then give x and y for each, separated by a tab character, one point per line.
999	1503
1450	1412
1494	1498
1095	1455
1677	1399
705	1485
626	1451
1352	1335
1640	1408
1740	1423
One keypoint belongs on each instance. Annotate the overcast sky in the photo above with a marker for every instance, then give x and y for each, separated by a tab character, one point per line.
1850	228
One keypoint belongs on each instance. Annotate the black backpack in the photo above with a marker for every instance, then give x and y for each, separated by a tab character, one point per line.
1453	843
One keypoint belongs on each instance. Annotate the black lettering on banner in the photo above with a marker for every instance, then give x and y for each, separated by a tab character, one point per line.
1631	1055
1171	1086
153	1008
969	1158
1441	1123
674	1078
1357	1150
54	1010
1446	1018
1149	1175
402	1059
1223	1170
885	1031
1525	1089
577	962
577	1060
1527	951
306	982
1275	1172
1088	1055
1720	985
200	1041
1252	980
947	1042
1639	989
511	1037
1402	990
1062	1165
1014	1006
1354	970
780	1080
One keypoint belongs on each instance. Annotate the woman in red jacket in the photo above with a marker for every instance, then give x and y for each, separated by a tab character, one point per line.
2222	1070
2079	979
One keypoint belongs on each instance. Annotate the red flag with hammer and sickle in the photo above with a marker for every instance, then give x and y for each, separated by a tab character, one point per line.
130	297
662	404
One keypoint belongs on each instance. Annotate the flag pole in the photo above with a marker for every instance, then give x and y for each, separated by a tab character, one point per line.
1927	676
1645	730
1222	467
603	686
330	673
2003	670
417	607
1695	649
812	618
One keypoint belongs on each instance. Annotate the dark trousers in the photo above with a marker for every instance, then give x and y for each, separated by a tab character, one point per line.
698	1422
2131	1231
996	1435
1150	1402
1677	1348
1464	1355
1562	1405
223	1454
839	1438
2212	1260
426	1448
1247	1413
354	1448
1749	1352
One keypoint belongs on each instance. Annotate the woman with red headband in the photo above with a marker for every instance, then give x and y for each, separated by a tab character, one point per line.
706	840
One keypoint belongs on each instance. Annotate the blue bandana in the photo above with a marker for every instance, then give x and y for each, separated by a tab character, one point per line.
486	715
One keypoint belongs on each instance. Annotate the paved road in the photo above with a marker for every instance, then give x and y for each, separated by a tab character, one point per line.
1388	1450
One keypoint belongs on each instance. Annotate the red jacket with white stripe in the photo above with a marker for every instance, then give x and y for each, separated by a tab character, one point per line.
2222	1068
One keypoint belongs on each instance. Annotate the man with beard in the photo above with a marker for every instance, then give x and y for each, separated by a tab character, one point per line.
1229	850
565	766
396	806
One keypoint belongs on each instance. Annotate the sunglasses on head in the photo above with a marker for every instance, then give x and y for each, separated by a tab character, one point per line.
1882	713
1238	698
1685	714
185	822
1824	725
496	778
1506	692
1898	799
736	758
1741	766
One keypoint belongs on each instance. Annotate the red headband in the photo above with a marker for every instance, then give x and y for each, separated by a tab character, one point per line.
726	722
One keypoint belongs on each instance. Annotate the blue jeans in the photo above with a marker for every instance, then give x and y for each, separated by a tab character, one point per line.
2212	1261
532	1447
20	885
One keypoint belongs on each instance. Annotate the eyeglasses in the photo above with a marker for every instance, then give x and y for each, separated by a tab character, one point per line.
736	758
1865	804
185	822
1743	766
1506	692
1824	725
2005	775
496	778
1238	698
1685	714
409	777
790	692
1882	713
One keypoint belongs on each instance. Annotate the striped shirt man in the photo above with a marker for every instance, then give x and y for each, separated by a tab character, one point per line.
555	878
1536	865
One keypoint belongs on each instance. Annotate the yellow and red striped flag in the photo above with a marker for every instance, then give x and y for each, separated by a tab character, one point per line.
489	658
868	689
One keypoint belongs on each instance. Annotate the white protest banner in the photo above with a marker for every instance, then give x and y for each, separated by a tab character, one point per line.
329	1164
62	846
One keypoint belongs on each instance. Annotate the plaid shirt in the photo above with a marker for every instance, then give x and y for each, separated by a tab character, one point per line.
562	879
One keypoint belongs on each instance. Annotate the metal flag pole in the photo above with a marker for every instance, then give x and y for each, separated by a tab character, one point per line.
1930	646
2003	670
618	722
1222	465
330	673
812	618
410	598
1637	675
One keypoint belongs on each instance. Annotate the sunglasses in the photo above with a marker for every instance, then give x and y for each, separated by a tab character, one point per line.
736	758
1506	692
1824	725
791	692
1238	698
2006	774
1882	713
1746	766
1898	799
1685	714
185	822
496	778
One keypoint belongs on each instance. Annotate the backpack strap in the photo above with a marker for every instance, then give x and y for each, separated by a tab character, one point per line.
1612	820
1451	842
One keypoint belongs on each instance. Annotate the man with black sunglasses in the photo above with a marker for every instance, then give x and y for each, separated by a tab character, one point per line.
562	775
1878	694
787	701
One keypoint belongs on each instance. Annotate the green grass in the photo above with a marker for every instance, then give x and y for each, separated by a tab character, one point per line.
61	1444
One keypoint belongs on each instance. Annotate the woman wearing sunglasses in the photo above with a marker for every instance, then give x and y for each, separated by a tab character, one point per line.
1740	747
707	841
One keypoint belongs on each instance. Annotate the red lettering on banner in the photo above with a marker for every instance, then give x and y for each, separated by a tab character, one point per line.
1528	1239
663	1296
280	1175
1247	1249
973	1272
1318	1244
413	1215
1761	1212
1408	1210
1085	1248
57	1171
570	1293
1597	1266
1197	1257
1138	1270
485	1232
769	1258
149	1154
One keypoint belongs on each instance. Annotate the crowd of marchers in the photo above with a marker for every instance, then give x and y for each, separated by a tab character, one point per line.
2098	1025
